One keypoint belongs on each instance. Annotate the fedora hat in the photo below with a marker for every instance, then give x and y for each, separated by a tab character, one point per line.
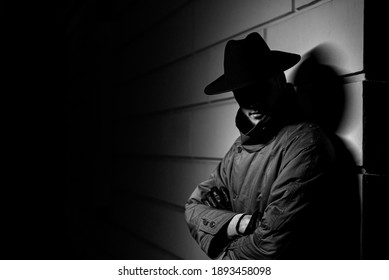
247	61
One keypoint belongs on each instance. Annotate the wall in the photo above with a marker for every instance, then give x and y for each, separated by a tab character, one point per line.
160	135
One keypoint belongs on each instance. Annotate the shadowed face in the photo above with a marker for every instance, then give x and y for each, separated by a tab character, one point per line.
258	100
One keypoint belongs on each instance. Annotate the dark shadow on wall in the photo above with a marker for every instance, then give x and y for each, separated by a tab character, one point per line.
320	88
322	99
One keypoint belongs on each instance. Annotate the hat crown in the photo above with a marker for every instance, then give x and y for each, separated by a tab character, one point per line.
249	60
244	57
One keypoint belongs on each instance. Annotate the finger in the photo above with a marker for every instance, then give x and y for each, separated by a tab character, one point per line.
216	195
211	200
226	197
206	202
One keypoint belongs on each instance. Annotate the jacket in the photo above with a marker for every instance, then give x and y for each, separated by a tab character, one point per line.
283	169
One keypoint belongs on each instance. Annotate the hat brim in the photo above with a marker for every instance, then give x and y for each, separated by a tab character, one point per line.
280	61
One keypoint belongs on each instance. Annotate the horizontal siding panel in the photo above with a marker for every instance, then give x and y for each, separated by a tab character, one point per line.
168	41
158	135
118	243
180	84
169	180
158	225
300	3
202	132
338	24
213	130
220	19
140	17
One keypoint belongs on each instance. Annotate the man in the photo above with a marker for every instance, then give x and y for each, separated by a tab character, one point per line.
272	196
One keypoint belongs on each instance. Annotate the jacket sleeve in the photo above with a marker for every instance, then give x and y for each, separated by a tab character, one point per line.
305	165
208	225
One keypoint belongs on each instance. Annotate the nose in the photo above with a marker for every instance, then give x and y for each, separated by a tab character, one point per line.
253	105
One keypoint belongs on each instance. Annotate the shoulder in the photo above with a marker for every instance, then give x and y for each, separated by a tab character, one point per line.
307	148
306	132
305	136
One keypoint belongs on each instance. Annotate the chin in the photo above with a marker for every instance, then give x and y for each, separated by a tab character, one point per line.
254	121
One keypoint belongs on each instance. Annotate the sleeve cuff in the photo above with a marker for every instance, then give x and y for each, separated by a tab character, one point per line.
212	223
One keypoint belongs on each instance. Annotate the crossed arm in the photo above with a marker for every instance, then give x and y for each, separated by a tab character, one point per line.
242	223
291	196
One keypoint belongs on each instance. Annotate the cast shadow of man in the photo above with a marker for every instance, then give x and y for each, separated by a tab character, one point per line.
322	99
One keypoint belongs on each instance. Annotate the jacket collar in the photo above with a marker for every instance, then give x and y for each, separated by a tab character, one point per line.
254	137
255	134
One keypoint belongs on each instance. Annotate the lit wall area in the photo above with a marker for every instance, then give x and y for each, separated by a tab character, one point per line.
160	135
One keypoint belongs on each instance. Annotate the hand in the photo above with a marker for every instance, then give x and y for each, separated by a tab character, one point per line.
218	198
